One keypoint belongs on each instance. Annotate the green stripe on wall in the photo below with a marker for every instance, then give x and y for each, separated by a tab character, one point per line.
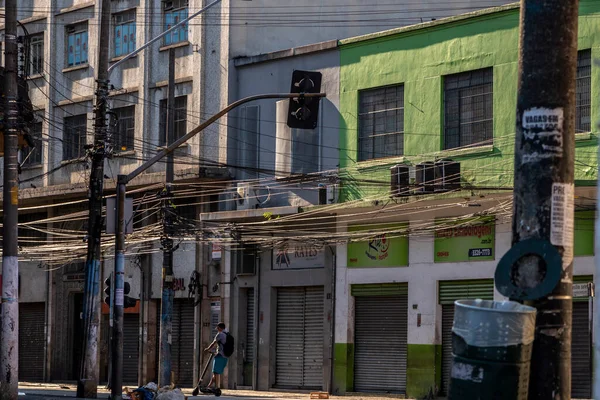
451	291
380	289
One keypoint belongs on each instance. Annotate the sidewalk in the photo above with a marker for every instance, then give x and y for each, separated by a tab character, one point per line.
69	390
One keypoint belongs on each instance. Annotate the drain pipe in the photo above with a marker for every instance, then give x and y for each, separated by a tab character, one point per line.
256	326
332	335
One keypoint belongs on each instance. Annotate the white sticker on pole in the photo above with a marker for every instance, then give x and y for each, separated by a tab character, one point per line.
543	130
118	297
561	220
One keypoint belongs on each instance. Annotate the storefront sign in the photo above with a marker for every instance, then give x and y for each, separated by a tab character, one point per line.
381	249
465	243
581	290
216	251
297	255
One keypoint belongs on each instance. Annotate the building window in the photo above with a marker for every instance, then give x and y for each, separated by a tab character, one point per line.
77	45
124	129
74	137
305	151
468	109
180	119
36	54
33	156
245	263
381	123
248	140
583	119
174	12
124	33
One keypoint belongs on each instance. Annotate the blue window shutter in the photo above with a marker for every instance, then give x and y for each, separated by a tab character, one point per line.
132	35
84	47
184	28
168	24
118	39
71	50
77	48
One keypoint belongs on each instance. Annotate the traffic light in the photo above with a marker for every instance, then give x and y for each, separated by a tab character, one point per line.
128	302
107	291
304	111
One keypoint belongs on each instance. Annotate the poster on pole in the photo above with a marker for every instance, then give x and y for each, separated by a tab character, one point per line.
383	246
459	242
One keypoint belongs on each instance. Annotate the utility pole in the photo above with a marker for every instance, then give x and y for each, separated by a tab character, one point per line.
166	312
9	347
87	386
544	181
116	380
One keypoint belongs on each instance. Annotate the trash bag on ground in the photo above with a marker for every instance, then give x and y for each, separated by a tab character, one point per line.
169	394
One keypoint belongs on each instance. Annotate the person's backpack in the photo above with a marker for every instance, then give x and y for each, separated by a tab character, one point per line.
229	345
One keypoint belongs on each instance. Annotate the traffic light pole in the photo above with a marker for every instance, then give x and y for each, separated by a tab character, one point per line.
122	181
9	347
544	180
166	312
87	385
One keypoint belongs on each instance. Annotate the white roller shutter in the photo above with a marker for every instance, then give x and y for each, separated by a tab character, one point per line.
380	335
447	321
299	347
313	339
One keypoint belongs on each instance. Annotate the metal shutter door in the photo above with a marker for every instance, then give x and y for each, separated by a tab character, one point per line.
182	344
581	369
31	341
131	336
289	348
313	339
380	335
447	321
249	356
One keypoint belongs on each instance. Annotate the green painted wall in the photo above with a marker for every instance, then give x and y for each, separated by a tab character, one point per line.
419	59
343	368
423	370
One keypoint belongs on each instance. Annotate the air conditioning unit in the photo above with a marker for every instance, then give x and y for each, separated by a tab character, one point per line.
399	180
246	197
328	194
425	177
447	175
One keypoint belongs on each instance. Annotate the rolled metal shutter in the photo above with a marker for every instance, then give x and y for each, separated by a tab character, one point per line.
250	317
31	341
182	343
581	368
380	335
313	339
299	347
449	292
447	321
290	338
131	337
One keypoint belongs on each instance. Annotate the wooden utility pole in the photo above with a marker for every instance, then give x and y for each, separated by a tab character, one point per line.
9	347
544	180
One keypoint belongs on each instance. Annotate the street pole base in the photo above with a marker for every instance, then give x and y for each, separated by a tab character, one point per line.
87	389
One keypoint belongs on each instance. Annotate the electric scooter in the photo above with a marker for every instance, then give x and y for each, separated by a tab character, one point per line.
204	389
